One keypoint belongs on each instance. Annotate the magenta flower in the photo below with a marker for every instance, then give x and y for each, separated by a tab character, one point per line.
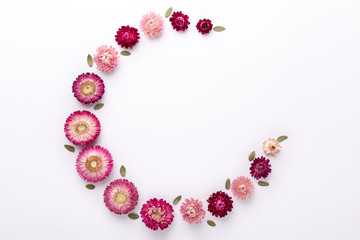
179	21
157	214
152	25
127	37
219	204
204	26
121	196
82	128
242	187
271	147
94	164
192	211
106	58
88	88
260	168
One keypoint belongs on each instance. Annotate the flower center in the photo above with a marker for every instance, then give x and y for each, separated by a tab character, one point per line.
88	88
106	57
180	21
151	24
191	212
81	128
242	188
157	214
204	26
220	204
121	197
93	163
127	36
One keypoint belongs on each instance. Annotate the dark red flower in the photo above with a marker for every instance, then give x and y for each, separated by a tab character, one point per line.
179	21
260	168
220	204
204	26
127	37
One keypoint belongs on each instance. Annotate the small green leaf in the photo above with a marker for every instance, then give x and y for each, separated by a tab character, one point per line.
122	171
168	12
133	216
219	29
125	53
227	184
90	60
69	148
282	138
264	184
252	156
98	106
177	200
90	186
211	223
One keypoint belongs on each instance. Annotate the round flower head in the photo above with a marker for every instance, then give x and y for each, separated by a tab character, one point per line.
157	214
242	187
271	147
82	128
192	211
204	26
179	21
219	204
260	168
106	58
121	196
127	37
152	25
88	88
94	164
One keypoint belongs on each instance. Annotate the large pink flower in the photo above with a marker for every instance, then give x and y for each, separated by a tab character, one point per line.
179	21
94	164
106	58
121	196
82	128
127	37
152	25
271	147
260	168
157	214
242	187
192	211
88	88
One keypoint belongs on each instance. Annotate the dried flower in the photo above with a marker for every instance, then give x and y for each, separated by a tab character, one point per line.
271	147
242	187
179	21
157	214
106	58
88	88
260	167
152	25
127	37
192	211
219	204
204	26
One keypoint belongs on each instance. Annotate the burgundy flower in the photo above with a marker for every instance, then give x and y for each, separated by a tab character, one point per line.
127	37
220	204
157	214
260	168
204	26
179	21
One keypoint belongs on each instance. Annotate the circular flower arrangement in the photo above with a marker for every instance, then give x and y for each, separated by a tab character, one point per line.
95	163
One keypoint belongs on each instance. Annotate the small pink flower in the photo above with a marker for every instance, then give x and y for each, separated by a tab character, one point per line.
157	214
192	211
88	88
242	187
127	37
271	147
106	58
152	25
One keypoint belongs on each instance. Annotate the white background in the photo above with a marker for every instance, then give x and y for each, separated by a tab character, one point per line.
182	113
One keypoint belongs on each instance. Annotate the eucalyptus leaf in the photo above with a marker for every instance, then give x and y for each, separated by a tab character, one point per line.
98	106
69	148
227	184
133	216
90	186
211	223
122	171
125	53
90	60
177	200
219	29
168	12
252	156
282	138
264	184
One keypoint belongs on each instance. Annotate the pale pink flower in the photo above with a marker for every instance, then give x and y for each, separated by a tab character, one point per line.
271	147
106	58
152	25
242	187
192	211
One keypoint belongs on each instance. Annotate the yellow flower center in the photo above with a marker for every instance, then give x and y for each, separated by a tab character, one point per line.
88	88
81	127
121	197
93	163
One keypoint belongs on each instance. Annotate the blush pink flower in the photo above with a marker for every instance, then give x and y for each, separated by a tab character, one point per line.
88	88
106	58
192	211
127	37
271	147
157	214
152	25
121	196
242	187
179	21
82	128
94	164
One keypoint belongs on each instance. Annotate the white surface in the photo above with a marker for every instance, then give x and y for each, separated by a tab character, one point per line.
182	114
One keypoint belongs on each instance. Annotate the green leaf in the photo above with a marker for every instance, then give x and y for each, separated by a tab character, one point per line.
168	12
282	138
177	200
219	29
90	186
98	106
122	171
252	156
90	60
264	184
227	184
125	53
69	148
133	216
211	223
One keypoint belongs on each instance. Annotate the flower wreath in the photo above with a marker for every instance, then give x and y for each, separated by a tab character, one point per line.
95	163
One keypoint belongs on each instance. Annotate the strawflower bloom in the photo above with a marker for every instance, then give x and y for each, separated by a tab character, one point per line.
220	204
271	147
204	26
127	37
88	88
192	211
152	25
242	187
260	168
106	58
179	21
157	214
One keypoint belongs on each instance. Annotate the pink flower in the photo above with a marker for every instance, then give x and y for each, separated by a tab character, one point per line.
82	128
242	187
121	196
192	211
127	37
260	168
88	88
94	164
157	214
152	25
106	58
204	26
179	21
271	147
